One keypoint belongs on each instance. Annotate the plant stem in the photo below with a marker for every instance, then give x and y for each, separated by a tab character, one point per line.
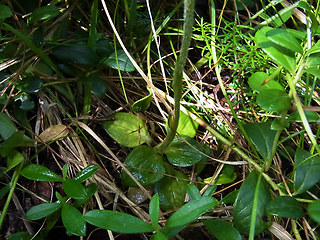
178	72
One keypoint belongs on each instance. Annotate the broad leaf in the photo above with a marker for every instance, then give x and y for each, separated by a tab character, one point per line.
285	39
5	12
18	139
97	85
285	206
127	129
30	84
307	169
13	159
86	173
74	189
90	189
279	54
226	176
186	126
44	13
154	209
40	173
258	83
190	212
222	230
145	165
184	152
243	206
7	127
23	235
142	104
119	60
274	100
117	221
42	210
311	116
314	210
314	59
171	189
73	221
262	137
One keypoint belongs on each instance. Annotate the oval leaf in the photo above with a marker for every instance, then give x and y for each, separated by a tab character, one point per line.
7	127
5	12
30	84
243	205
311	116
190	211
314	210
145	165
274	100
285	206
119	60
44	13
184	152
42	210
154	211
258	83
127	129
40	173
86	173
73	220
222	230
307	170
142	104
186	126
117	221
74	189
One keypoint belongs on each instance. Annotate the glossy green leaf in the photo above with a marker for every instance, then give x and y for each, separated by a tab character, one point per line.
74	189
73	221
13	159
18	139
44	13
42	210
30	84
171	189
311	116
186	126
314	210
86	173
76	53
5	12
40	173
117	221
38	37
307	169
280	55
243	206
230	197
313	59
154	209
222	230
274	100
119	60
184	151
127	129
98	86
190	211
142	104
22	235
262	137
104	48
26	103
7	127
281	18
257	82
278	124
314	49
145	165
285	39
226	176
285	206
314	70
193	192
90	190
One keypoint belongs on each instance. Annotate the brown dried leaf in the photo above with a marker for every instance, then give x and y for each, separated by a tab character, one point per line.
53	132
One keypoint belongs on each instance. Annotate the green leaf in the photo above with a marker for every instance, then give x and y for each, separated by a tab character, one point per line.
307	169
285	39
145	165
314	70
314	210
186	126
226	176
44	13
30	84
76	53
90	190
257	82
5	12
119	60
190	211
193	192
142	104
86	173
18	139
117	221
22	235
171	189
285	206
184	152
40	173
73	221
280	55
154	209
74	189
98	86
13	159
26	102
222	230
262	137
159	236
311	116
243	206
230	197
274	100
127	129
313	59
42	210
7	127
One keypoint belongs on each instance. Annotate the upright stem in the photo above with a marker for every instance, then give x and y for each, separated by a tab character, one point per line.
178	72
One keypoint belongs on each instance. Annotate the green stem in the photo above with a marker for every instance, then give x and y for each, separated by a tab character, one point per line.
254	209
13	184
178	72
